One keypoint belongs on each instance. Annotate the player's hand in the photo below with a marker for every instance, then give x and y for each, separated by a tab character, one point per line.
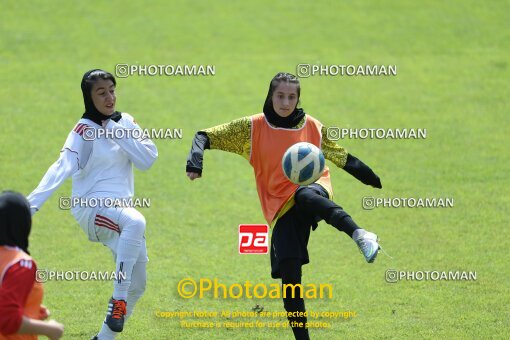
377	183
193	175
44	312
56	330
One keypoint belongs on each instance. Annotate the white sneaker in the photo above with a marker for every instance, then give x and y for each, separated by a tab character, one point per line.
367	243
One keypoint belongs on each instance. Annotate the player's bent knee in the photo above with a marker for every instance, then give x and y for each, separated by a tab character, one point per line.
140	224
136	225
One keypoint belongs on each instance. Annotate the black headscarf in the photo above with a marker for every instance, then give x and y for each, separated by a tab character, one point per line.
88	80
15	220
274	118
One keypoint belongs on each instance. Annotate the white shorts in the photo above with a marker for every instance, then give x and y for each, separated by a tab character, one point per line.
102	225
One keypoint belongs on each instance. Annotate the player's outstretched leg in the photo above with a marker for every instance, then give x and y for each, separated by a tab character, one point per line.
313	200
291	275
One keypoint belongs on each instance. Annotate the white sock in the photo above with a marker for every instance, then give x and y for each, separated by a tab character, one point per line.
127	254
357	233
106	333
137	287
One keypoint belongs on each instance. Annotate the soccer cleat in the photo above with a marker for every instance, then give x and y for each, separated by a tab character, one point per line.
94	337
115	315
367	243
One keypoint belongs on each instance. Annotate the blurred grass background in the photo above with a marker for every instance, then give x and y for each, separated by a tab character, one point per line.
453	72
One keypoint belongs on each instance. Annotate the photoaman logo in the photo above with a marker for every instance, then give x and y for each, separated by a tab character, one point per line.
253	239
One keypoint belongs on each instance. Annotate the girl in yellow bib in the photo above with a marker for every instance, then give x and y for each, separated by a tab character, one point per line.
293	210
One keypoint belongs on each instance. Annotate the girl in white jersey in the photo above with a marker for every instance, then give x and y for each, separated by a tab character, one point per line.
100	156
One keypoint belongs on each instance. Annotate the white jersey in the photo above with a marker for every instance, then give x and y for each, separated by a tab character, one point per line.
100	161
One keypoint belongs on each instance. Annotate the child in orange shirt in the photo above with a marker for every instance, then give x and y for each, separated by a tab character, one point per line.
21	312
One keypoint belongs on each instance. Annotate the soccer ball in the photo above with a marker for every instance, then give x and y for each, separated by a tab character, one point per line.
303	163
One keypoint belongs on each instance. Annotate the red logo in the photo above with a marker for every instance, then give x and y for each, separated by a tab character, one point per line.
253	238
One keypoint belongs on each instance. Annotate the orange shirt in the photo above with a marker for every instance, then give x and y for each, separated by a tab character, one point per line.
10	256
268	144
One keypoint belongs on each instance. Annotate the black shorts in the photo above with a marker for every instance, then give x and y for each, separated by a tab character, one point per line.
291	232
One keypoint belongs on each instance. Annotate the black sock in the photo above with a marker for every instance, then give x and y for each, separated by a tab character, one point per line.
315	202
291	274
343	222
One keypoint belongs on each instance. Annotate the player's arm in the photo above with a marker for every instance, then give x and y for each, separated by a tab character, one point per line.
73	156
234	137
341	158
52	329
141	151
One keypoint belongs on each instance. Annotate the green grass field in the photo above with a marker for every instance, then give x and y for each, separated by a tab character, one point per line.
453	70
